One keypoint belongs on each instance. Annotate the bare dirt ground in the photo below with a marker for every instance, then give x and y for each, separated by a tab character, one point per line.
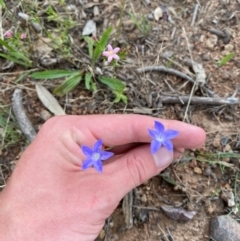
197	180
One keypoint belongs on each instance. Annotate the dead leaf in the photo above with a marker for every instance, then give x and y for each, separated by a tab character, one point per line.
178	213
49	101
42	45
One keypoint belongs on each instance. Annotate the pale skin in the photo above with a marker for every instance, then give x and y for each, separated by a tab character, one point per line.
49	197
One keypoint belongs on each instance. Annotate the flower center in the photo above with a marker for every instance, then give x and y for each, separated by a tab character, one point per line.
95	156
111	52
160	138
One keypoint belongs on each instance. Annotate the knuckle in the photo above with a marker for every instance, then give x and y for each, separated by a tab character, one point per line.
136	169
51	125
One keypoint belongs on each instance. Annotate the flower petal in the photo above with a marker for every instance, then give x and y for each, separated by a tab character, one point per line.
170	134
110	57
159	127
168	144
116	50
87	163
155	146
109	47
106	154
87	151
98	145
98	166
106	53
153	134
115	56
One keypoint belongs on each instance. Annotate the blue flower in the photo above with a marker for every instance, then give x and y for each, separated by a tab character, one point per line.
161	137
95	156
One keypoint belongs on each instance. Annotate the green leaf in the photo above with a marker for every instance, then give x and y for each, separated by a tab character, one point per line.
119	97
17	61
90	43
14	55
20	56
225	59
117	87
88	80
3	43
101	45
68	85
113	83
53	74
2	3
168	179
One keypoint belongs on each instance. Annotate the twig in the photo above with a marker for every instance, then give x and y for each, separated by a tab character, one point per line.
127	209
194	15
21	116
165	70
172	72
196	100
169	233
147	208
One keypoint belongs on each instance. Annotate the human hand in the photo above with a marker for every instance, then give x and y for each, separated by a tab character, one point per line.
49	197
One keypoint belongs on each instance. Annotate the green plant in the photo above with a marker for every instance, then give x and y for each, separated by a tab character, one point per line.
74	77
225	59
143	26
14	53
2	3
9	133
117	87
215	158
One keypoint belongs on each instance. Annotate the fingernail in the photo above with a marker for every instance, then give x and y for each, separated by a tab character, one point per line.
163	158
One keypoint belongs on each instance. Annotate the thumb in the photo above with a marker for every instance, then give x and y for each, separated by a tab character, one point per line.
136	167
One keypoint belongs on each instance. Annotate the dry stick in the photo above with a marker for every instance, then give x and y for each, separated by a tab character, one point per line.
195	100
165	70
194	15
21	116
195	82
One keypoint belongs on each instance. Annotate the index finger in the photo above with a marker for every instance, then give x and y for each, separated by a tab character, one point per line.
122	129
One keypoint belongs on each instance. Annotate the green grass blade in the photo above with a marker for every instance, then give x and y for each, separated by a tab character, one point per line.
225	59
68	85
90	43
135	20
17	61
101	45
3	43
20	56
88	80
53	74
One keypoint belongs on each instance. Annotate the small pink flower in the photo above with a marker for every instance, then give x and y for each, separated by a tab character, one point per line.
111	53
8	34
23	36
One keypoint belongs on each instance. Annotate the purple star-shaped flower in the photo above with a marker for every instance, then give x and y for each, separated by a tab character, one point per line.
111	53
95	156
161	137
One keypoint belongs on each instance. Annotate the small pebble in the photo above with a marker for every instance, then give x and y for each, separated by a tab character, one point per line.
217	141
229	47
45	115
227	148
211	41
206	57
197	170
